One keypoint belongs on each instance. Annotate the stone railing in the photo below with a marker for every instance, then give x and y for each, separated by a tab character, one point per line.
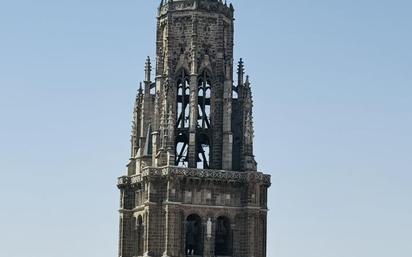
221	175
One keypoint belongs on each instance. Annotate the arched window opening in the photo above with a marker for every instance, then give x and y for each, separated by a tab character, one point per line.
183	91
182	119
193	228
203	120
139	230
223	237
204	93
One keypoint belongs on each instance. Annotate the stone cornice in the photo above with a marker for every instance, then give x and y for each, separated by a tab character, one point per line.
178	172
209	6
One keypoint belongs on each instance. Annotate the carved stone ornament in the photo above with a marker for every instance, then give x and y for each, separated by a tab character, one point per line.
172	171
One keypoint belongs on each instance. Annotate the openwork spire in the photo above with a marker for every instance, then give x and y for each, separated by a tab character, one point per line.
137	111
247	82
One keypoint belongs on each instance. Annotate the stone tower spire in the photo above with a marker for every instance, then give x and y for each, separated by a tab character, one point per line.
192	186
137	112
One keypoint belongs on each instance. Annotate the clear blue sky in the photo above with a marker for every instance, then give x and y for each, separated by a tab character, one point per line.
332	84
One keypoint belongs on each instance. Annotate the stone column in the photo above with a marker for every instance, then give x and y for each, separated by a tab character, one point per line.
173	232
193	121
227	125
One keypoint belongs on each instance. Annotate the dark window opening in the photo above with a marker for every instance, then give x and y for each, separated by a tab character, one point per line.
204	93
193	227
204	120
183	92
182	119
223	237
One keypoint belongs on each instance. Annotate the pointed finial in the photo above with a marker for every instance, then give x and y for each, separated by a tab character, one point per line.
139	97
240	72
247	83
148	69
140	89
240	63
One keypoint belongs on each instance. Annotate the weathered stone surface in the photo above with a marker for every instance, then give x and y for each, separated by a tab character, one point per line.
192	185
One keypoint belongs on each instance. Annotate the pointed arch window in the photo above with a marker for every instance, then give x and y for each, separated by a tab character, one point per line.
204	119
182	118
204	93
183	92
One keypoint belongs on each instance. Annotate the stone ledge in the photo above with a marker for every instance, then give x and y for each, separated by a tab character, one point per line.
172	171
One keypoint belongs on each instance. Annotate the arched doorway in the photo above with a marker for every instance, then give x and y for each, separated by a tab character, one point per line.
223	237
193	235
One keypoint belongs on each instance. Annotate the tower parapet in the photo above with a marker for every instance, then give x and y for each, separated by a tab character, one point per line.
210	6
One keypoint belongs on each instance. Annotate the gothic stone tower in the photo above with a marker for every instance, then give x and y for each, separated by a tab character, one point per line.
192	187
